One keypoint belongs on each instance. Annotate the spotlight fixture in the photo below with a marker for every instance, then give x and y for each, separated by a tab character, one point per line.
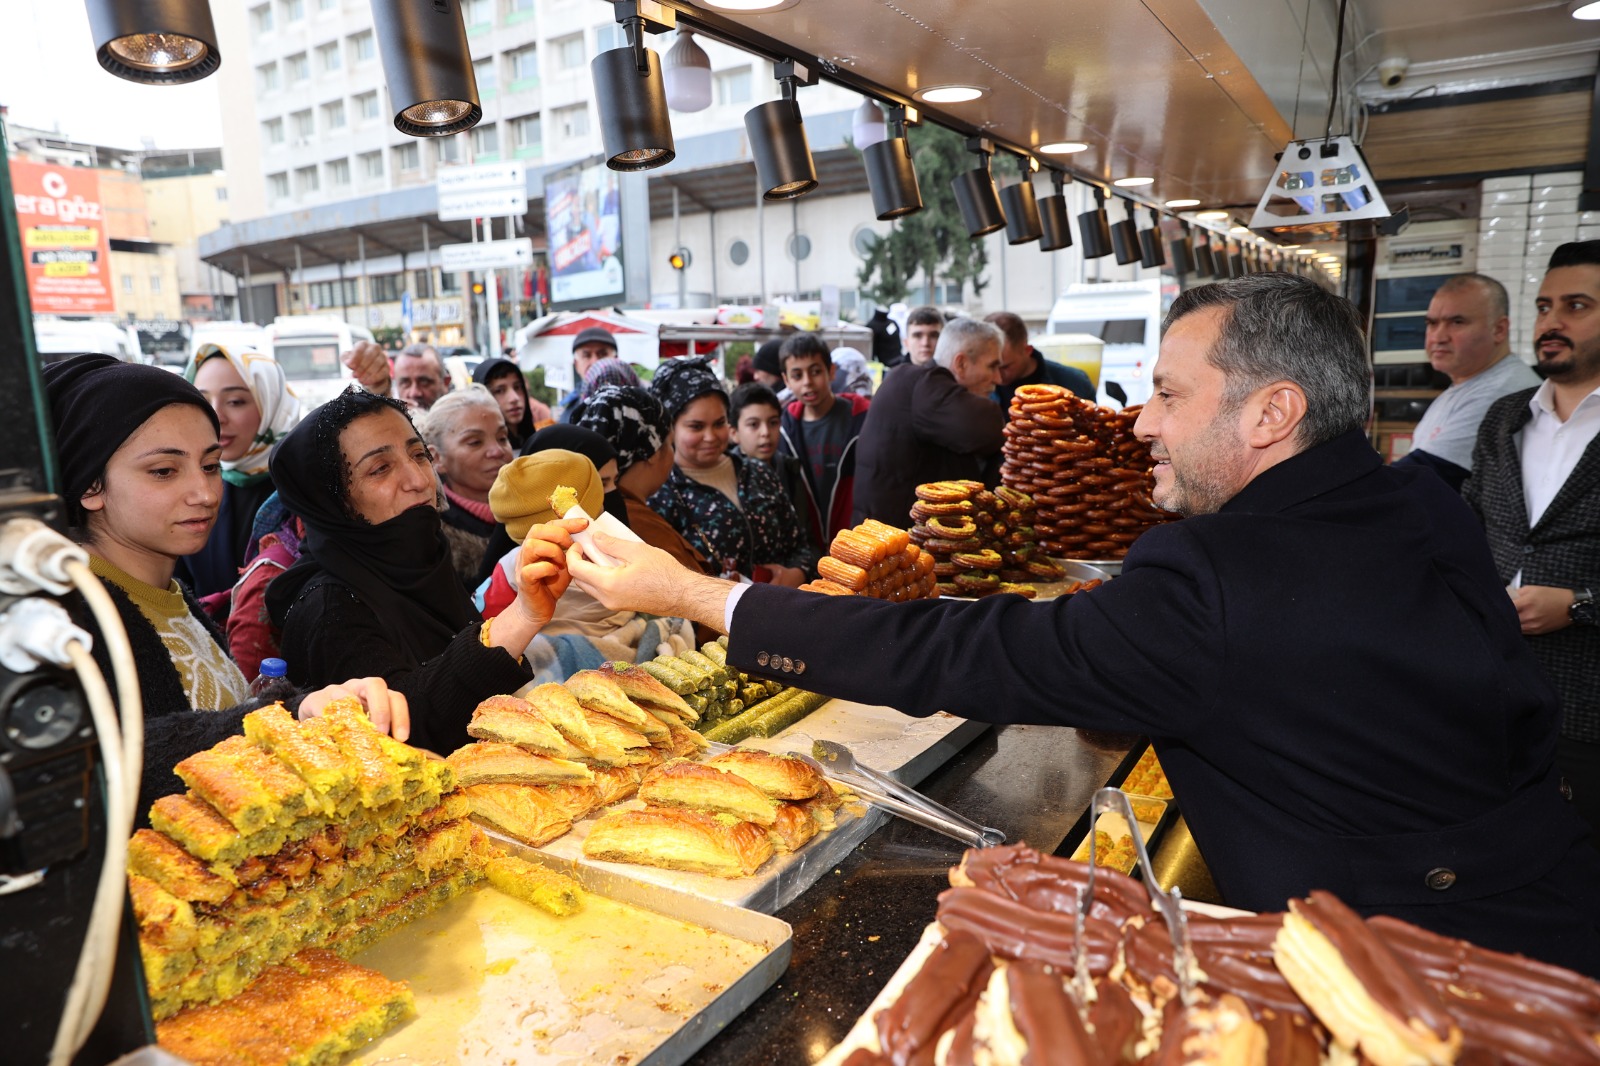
1204	264
156	42
1182	250
1151	253
1211	216
867	126
630	92
778	138
949	94
976	195
1094	229
1587	10
686	71
1055	231
1236	264
1021	208
1183	203
428	67
1132	183
1125	237
890	175
1071	147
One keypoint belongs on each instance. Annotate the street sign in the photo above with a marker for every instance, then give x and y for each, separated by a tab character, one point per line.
405	312
491	203
486	255
483	176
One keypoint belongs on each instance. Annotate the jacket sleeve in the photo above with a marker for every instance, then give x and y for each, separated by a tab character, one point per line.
250	633
944	413
346	641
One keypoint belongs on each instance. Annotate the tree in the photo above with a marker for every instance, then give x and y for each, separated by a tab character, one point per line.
933	240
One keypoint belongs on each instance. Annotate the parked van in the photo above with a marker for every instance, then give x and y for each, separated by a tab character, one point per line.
1126	315
57	338
230	335
311	350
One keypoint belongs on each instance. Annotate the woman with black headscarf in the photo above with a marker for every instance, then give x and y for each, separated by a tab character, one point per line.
374	586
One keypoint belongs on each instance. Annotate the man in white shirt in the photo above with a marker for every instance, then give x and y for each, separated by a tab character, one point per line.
1469	341
1536	484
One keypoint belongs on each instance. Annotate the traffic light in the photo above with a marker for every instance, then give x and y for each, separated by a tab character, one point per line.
477	288
679	259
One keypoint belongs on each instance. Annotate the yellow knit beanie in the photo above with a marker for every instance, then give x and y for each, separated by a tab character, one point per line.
520	497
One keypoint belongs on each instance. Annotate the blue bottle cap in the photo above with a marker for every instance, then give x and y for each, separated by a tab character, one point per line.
274	668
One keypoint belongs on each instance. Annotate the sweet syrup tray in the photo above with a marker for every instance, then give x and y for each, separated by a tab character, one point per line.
1076	843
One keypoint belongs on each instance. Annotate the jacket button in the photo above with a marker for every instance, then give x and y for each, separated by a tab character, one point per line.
762	658
1440	878
788	665
799	666
1527	549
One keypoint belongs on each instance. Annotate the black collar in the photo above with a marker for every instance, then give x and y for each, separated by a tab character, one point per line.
1306	475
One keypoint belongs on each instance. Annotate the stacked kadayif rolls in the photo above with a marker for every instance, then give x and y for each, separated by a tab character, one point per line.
877	560
1085	468
983	541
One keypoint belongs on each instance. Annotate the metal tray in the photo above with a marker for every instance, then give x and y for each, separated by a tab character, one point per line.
1092	568
492	982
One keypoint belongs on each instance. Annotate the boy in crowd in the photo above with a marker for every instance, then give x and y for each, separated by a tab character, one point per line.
923	326
756	414
820	429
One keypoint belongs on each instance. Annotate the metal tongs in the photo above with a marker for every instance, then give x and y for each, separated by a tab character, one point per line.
879	789
1170	904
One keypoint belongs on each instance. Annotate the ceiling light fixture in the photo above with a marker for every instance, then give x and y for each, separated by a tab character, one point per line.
1021	207
1182	250
1211	216
1182	203
949	94
155	42
1132	183
1587	10
1054	228
1069	147
778	138
1151	252
1094	229
976	195
1236	263
428	66
890	175
631	94
760	6
686	70
1125	237
1204	265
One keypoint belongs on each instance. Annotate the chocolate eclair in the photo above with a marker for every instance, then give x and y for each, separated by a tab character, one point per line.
936	999
1013	931
1026	1018
1211	1032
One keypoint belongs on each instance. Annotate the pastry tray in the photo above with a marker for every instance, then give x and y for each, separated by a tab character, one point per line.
1076	843
643	975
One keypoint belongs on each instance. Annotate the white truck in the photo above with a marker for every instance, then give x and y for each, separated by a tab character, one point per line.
57	338
1126	315
230	335
311	350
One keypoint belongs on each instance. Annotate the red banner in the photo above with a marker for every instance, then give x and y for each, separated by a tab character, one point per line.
64	243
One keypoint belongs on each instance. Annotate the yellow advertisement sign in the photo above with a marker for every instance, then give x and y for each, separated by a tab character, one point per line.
61	237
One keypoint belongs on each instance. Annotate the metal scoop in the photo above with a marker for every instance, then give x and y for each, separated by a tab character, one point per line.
836	760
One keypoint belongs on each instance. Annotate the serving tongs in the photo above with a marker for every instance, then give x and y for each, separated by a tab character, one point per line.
836	761
1170	904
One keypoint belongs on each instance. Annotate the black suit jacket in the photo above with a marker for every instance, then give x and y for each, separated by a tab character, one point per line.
1562	551
1331	673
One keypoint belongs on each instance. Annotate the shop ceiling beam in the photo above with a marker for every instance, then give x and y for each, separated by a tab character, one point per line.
687	194
366	234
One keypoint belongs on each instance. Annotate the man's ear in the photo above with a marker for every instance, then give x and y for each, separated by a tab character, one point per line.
1276	413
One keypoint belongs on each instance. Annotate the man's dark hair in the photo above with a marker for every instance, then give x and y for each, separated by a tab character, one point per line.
804	346
1575	253
925	316
1282	327
752	394
1015	330
1499	302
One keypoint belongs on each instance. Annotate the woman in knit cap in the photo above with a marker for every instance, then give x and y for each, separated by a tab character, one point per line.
468	438
732	509
255	408
141	476
374	584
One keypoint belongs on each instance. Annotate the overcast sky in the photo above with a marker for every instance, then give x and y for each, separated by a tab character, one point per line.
50	78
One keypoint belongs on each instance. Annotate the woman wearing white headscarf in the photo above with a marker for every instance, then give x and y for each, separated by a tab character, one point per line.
255	408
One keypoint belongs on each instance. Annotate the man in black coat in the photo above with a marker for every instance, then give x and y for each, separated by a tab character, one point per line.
1321	653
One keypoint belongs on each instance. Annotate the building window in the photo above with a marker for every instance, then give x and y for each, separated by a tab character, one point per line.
522	8
327	5
155	283
524	67
732	86
738	253
449	284
572	121
334	293
477	13
484	77
367	104
386	288
278	186
267	78
422	283
363	47
485	140
609	35
306	180
333	115
222	194
261	18
302	125
864	240
127	283
293	10
449	149
569	52
328	57
298	68
527	135
799	246
272	130
339	172
406	157
371	164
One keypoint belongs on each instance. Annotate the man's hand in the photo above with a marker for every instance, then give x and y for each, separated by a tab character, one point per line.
369	366
1542	609
788	576
388	710
649	580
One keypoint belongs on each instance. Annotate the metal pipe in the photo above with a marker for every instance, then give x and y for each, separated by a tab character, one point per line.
366	282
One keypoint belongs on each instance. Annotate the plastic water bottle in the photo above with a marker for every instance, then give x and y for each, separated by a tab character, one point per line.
272	683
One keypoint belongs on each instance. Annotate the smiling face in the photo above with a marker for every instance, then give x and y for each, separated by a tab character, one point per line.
757	431
158	498
1202	457
472	451
700	434
508	391
1568	326
238	414
1464	337
387	467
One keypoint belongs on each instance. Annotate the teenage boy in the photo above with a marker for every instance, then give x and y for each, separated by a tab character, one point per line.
820	429
757	414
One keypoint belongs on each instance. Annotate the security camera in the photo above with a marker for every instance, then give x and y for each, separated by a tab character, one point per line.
1392	70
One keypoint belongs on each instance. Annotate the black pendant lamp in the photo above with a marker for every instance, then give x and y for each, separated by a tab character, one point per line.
1055	231
155	42
778	138
1236	263
1182	251
1221	260
1125	237
890	175
1094	229
1021	208
428	66
631	96
1204	265
976	195
1151	252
